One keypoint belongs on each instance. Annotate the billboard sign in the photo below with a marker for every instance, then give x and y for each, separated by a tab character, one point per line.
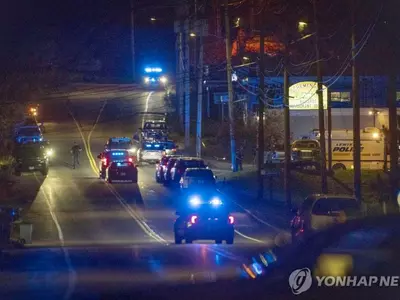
303	96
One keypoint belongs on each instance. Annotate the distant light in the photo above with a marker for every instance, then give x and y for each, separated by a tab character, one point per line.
246	58
147	79
151	70
163	79
234	77
216	202
204	82
195	201
370	112
152	19
302	26
192	34
153	80
375	135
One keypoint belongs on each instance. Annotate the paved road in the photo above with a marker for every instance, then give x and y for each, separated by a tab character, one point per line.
83	225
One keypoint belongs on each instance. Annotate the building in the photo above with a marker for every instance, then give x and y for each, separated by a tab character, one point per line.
303	100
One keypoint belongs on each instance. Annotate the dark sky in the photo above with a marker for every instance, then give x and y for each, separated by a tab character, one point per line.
77	31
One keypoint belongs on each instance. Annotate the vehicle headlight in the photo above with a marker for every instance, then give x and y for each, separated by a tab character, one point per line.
49	152
132	150
195	201
216	201
163	79
147	79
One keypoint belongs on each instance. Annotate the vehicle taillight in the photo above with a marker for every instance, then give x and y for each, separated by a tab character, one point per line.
231	219
193	219
130	159
104	160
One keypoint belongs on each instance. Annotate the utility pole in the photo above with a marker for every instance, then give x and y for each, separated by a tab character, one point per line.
286	115
260	163
356	110
187	84
230	89
321	112
200	90
329	132
394	156
133	41
179	70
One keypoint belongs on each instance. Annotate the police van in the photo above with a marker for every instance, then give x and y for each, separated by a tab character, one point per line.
372	149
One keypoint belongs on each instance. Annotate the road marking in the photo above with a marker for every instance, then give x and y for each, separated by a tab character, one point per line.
146	108
249	238
145	227
71	271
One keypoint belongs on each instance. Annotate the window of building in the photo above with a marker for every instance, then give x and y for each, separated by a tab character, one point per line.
398	96
340	97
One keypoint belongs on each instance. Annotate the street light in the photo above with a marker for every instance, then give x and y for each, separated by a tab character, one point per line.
374	113
301	26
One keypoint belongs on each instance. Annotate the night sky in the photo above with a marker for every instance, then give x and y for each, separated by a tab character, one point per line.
75	33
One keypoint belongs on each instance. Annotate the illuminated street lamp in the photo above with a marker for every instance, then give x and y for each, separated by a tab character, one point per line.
373	112
301	26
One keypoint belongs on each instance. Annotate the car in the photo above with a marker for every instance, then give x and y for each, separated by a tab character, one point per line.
170	148
155	131
195	178
26	134
108	157
204	218
120	143
160	168
151	152
322	210
182	164
154	78
31	157
167	169
122	172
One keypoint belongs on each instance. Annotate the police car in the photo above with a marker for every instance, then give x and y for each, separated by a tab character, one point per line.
109	157
26	134
120	143
204	216
122	172
154	78
151	152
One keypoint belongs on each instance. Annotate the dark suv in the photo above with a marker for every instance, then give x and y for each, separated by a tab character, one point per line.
182	164
31	158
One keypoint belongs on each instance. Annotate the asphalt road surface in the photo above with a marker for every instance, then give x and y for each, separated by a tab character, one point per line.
85	230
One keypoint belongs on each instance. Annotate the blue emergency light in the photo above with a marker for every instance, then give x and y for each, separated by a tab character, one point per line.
118	153
151	70
120	140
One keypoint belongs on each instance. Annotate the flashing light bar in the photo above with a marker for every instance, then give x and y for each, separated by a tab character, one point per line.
118	153
120	140
150	70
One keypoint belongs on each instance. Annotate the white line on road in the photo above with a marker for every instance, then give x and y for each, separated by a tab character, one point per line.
146	108
71	271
